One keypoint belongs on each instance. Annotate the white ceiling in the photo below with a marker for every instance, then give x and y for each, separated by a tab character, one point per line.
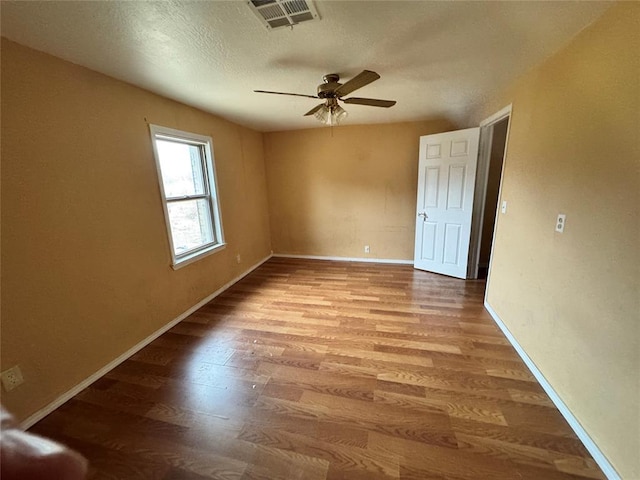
435	58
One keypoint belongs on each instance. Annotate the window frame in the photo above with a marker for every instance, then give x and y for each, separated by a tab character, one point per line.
205	144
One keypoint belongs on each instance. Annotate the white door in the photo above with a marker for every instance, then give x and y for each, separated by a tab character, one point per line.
446	180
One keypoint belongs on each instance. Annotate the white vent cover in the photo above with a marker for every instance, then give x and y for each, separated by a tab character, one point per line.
283	13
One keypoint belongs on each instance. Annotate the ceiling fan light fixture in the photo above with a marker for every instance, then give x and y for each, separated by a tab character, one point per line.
338	114
323	115
331	115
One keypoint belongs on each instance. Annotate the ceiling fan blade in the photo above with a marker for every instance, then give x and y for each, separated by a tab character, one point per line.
283	93
372	102
314	109
363	78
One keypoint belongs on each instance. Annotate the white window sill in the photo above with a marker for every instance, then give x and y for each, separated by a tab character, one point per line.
194	257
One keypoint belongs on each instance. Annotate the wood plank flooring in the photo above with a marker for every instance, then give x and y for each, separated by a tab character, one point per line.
325	370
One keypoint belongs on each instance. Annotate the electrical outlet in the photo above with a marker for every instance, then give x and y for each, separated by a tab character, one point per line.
12	378
560	221
367	249
238	258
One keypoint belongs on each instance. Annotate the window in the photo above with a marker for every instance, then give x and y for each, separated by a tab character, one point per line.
188	184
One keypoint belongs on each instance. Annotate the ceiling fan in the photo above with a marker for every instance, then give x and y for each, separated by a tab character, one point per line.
331	91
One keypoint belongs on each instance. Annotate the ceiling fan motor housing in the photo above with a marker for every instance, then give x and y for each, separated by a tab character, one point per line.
327	89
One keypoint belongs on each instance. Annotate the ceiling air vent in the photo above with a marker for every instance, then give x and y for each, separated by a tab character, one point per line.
283	13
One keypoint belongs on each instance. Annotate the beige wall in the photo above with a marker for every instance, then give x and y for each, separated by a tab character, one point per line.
572	299
85	255
333	191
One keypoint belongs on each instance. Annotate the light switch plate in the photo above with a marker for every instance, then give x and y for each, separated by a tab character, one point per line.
503	209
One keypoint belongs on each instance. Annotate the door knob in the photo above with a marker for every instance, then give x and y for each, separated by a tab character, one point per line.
423	215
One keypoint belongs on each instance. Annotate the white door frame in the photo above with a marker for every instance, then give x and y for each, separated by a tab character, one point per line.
482	177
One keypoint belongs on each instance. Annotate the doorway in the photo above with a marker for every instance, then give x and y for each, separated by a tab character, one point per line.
496	161
493	144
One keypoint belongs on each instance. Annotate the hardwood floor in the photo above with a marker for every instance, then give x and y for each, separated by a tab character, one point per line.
324	370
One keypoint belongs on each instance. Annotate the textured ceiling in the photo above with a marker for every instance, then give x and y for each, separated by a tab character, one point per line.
435	58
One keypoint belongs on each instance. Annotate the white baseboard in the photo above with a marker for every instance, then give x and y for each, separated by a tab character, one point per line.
43	412
579	430
347	259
